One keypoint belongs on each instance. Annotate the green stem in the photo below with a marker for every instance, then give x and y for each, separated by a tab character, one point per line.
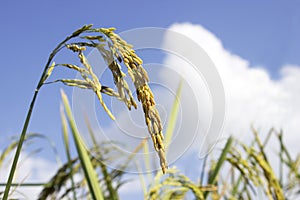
213	178
25	126
18	151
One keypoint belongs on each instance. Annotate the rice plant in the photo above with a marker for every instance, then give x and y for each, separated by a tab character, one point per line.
241	171
119	51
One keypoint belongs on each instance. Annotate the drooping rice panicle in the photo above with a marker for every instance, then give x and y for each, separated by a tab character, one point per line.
145	96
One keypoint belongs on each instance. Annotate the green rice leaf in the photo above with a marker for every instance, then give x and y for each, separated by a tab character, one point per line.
89	172
173	116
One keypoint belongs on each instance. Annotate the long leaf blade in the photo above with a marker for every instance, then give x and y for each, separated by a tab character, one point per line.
89	172
173	116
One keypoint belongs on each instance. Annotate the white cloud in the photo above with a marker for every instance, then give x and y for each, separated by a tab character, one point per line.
252	96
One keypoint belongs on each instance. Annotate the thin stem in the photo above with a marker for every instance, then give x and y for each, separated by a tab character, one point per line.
25	126
18	151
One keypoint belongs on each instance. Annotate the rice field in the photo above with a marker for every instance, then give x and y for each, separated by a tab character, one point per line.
237	171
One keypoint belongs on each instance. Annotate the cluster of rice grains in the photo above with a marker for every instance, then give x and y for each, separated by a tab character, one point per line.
115	51
145	96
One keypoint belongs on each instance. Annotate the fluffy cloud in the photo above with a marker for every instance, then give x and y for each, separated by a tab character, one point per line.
252	96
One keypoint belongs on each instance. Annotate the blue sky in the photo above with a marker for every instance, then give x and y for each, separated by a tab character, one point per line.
263	33
266	34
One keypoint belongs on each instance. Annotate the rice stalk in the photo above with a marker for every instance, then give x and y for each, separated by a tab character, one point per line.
122	52
46	73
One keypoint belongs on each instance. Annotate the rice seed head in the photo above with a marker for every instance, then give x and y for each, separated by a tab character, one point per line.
140	80
112	57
